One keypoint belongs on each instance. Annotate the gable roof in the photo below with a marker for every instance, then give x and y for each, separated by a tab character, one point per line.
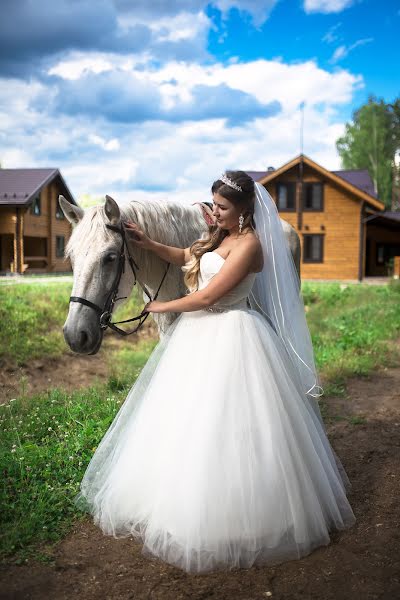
19	187
360	178
355	181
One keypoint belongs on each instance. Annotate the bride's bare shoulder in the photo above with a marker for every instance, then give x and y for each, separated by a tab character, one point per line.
251	243
251	240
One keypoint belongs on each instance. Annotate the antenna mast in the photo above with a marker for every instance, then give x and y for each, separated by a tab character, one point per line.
301	126
299	198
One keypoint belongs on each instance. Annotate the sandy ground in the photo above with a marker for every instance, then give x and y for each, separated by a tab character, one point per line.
362	563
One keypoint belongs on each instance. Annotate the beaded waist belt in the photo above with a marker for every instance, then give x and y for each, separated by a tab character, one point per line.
216	309
220	309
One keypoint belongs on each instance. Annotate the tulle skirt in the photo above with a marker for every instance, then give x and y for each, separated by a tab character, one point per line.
216	459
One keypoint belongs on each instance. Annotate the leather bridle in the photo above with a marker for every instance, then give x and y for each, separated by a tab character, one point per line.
105	312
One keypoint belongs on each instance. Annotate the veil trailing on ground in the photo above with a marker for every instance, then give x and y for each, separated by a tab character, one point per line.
276	293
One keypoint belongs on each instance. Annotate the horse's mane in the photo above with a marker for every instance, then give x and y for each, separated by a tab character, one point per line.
168	222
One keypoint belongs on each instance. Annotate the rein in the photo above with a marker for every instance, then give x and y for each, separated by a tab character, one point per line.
105	312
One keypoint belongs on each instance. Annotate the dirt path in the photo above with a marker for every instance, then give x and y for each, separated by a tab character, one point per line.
362	563
69	371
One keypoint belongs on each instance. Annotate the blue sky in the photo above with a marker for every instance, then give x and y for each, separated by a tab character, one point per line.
364	36
148	100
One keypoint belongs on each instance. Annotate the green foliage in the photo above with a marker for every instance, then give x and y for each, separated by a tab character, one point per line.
350	325
127	363
32	316
46	444
371	141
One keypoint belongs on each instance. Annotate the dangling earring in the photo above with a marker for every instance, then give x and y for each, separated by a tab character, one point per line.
241	221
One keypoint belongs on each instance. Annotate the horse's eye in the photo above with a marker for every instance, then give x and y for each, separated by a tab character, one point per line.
109	258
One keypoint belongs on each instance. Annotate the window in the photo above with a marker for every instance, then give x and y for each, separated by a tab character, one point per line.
313	247
313	196
35	206
380	254
59	212
286	196
60	246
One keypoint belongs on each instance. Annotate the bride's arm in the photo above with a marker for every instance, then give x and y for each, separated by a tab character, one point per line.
235	268
176	256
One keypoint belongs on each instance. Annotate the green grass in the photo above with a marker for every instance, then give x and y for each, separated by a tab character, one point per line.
351	326
32	316
126	364
46	444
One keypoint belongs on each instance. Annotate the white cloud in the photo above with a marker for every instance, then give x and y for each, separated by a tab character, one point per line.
326	6
259	10
267	81
183	26
331	35
110	145
342	51
157	159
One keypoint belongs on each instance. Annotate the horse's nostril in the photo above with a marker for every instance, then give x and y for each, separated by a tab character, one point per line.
84	338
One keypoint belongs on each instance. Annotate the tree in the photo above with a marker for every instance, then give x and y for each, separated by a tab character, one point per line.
371	142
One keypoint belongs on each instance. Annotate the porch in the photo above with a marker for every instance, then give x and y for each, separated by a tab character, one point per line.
28	254
382	245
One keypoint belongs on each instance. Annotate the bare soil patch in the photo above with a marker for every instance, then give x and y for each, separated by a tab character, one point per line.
361	563
69	371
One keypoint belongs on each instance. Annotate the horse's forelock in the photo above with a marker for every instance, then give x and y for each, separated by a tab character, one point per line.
88	230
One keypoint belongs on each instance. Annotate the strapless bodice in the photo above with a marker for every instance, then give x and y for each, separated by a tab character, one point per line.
210	264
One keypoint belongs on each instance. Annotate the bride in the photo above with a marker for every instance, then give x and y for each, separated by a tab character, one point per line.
218	458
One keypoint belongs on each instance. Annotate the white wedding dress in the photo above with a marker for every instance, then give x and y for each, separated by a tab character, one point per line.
216	459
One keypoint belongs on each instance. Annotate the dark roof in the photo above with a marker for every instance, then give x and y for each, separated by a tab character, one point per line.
257	175
18	187
387	218
392	214
359	178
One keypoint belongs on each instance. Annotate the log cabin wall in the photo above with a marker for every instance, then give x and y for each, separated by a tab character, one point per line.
8	224
25	236
41	232
338	222
7	220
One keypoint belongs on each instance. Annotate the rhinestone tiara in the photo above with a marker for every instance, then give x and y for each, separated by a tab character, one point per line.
231	183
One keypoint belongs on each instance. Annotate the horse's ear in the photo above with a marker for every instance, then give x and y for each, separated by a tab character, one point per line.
112	210
72	212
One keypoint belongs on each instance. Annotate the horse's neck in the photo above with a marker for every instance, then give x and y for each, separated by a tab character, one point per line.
151	266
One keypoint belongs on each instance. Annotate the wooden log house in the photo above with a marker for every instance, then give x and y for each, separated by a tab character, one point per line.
33	229
345	231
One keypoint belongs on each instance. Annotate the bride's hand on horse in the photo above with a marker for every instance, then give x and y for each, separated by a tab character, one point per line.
137	235
154	307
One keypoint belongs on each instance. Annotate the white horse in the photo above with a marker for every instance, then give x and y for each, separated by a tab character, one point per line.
94	251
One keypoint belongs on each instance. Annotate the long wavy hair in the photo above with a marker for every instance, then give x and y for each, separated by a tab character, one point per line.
212	240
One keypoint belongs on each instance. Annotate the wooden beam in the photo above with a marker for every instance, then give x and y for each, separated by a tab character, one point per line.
299	195
18	243
361	243
31	258
49	227
15	243
21	242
